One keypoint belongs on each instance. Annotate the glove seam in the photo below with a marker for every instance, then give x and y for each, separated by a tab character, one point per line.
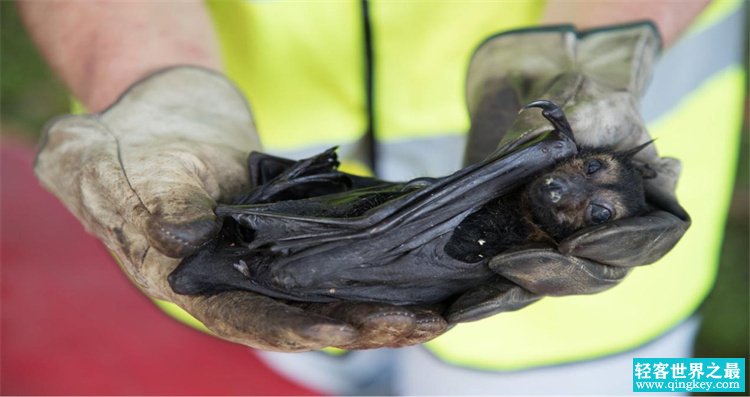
428	321
402	314
166	232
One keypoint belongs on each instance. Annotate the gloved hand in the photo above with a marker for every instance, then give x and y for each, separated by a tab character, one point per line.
144	177
597	77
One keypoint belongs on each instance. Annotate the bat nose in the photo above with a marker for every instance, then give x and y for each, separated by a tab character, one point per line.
566	191
557	185
555	189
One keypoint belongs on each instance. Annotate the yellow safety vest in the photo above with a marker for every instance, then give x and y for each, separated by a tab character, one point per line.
303	66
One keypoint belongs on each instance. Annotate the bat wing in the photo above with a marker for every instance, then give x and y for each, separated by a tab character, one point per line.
308	229
413	208
306	198
297	248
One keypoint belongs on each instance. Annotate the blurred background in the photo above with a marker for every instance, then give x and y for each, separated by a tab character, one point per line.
31	95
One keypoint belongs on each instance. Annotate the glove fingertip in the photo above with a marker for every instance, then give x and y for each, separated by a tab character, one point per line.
377	325
430	324
428	328
178	240
547	272
329	334
629	242
487	300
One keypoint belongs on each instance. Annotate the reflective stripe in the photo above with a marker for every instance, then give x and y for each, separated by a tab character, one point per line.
399	160
356	373
720	46
426	156
414	371
349	155
717	11
420	373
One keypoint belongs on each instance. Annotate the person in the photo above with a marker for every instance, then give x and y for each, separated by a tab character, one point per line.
136	178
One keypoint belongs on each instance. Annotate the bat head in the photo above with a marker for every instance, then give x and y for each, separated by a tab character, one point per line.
594	187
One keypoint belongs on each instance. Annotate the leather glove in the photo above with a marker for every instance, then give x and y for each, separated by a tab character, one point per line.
144	177
597	77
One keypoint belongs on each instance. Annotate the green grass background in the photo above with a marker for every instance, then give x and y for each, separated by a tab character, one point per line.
30	95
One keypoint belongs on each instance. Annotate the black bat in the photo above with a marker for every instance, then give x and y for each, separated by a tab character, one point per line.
308	232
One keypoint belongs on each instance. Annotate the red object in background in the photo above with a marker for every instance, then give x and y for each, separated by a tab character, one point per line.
72	323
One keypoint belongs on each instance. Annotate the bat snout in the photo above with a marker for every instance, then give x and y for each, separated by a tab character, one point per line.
554	190
557	191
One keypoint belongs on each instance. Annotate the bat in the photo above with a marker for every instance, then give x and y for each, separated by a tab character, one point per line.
308	232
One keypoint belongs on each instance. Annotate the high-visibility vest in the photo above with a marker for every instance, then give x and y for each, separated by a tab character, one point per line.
303	66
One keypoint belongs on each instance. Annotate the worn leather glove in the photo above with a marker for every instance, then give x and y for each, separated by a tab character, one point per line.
144	177
597	77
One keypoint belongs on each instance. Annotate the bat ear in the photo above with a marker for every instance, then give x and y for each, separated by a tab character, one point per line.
628	154
643	168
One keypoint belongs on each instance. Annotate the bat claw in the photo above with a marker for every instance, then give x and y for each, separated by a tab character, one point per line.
554	114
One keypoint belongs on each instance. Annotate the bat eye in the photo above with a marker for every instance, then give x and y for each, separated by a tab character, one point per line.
593	166
599	214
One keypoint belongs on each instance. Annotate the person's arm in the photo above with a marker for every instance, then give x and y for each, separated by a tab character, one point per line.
98	49
670	17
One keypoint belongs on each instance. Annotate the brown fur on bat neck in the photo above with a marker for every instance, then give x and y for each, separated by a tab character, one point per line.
594	187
